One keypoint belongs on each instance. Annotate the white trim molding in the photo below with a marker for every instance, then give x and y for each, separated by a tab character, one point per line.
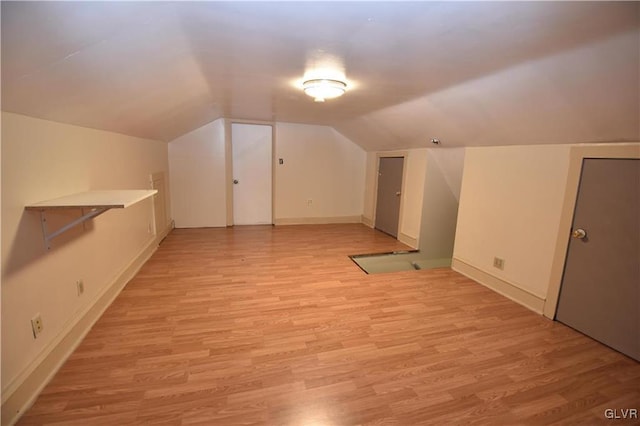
366	221
505	288
406	239
317	220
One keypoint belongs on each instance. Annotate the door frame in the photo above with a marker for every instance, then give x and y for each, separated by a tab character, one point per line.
161	230
577	154
391	154
228	159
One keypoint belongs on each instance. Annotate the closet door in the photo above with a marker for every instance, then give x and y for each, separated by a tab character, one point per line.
390	172
600	292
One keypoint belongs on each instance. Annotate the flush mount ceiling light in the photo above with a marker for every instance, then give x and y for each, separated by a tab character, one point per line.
323	88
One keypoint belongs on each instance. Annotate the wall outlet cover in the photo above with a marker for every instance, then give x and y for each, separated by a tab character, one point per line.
36	325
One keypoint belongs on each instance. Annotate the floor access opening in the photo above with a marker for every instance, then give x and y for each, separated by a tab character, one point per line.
397	261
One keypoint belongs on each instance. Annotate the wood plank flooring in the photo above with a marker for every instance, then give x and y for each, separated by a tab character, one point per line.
277	326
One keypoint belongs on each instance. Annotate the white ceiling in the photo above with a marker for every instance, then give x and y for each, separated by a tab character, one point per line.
471	74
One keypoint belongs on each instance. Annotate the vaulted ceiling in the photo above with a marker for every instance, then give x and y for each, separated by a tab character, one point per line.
471	74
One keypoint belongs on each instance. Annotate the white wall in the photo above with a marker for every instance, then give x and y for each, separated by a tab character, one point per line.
371	175
43	160
412	196
197	169
442	180
319	165
450	161
510	207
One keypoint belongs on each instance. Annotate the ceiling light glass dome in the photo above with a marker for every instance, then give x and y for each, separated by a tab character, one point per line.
323	88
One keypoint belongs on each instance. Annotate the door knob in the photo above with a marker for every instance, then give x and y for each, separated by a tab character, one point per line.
398	193
579	234
235	181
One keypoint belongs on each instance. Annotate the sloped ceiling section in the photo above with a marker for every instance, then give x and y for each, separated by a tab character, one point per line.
471	74
588	94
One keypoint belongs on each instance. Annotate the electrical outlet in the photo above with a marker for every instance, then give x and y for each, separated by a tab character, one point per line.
36	325
309	202
80	287
498	263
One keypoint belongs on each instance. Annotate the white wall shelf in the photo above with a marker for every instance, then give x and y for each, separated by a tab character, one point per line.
95	202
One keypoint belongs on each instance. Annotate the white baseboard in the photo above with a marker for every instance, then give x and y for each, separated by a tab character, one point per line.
170	227
24	390
317	220
410	241
367	221
505	288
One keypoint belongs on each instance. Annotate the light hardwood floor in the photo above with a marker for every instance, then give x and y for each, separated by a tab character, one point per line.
277	326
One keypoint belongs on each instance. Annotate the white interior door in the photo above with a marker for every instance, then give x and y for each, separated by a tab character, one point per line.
252	176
